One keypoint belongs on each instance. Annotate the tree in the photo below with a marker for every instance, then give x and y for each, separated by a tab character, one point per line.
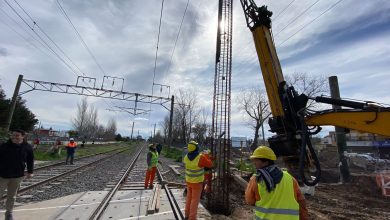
255	104
310	85
81	120
185	110
118	137
22	117
110	130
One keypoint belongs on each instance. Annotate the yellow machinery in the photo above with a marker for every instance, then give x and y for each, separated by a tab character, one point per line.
290	117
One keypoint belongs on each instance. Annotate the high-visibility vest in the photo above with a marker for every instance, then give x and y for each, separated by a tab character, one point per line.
279	203
153	160
72	145
194	173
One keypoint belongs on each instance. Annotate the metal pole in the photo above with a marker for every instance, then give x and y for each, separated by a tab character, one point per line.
170	122
132	128
154	131
262	122
340	133
13	103
241	160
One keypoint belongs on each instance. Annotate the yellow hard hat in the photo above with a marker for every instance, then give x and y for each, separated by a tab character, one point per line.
152	145
192	145
263	152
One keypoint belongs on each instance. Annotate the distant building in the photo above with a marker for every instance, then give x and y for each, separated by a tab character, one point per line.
236	142
360	142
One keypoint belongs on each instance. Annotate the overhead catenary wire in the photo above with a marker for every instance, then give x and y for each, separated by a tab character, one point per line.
79	37
21	35
283	10
177	37
307	24
158	42
42	40
48	37
294	19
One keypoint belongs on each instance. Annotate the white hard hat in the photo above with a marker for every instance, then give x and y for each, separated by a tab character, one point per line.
71	139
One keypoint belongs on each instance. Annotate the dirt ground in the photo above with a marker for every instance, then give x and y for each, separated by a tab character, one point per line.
360	199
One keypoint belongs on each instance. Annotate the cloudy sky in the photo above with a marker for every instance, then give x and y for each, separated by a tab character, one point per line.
347	38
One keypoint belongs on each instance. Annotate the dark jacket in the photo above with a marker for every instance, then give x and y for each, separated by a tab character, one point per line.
13	159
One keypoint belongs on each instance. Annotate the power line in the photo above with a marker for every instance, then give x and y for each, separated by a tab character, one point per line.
177	37
79	36
281	12
21	35
158	41
297	17
307	24
48	37
47	45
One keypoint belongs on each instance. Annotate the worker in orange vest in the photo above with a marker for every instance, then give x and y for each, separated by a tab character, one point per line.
207	173
70	149
194	163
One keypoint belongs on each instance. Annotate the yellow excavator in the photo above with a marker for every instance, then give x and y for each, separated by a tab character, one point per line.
291	121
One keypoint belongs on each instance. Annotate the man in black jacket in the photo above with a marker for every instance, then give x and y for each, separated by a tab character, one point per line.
14	155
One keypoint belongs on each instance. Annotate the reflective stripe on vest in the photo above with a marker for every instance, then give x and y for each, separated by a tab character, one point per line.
280	203
194	173
154	159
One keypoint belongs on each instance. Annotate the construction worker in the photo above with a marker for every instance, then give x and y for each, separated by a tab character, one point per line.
152	160
70	149
274	192
207	172
194	163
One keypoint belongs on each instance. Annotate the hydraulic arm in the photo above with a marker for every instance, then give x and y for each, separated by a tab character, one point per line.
291	119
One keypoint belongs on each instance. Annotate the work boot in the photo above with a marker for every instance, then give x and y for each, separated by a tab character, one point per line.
8	216
71	161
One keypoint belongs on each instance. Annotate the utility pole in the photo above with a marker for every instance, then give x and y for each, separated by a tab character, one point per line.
340	133
132	128
154	131
13	103
170	122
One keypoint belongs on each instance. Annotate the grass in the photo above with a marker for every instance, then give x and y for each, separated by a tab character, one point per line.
172	153
245	166
42	153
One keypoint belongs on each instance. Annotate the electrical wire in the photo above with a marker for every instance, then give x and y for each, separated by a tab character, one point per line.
307	24
297	17
79	36
43	41
281	12
177	37
48	37
158	41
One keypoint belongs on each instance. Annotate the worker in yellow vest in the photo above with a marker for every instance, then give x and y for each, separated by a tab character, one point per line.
274	192
194	163
152	160
70	149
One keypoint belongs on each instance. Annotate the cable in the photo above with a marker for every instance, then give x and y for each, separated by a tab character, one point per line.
177	37
280	13
297	17
307	24
48	46
158	41
79	36
48	37
21	35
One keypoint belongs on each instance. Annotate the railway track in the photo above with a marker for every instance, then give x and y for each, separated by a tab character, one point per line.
48	173
125	197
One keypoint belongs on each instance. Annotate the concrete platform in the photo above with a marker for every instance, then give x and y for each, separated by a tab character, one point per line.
125	205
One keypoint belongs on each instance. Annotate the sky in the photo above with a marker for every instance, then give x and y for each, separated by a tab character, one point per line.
347	38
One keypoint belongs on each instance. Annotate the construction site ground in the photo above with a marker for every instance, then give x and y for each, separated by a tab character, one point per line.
360	199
